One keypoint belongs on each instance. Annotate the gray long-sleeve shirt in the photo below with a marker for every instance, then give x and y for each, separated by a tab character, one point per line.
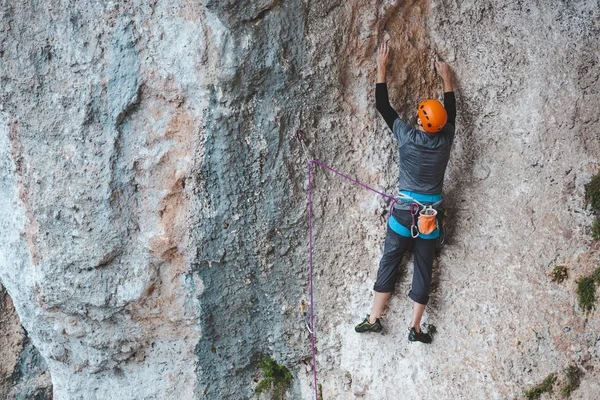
423	158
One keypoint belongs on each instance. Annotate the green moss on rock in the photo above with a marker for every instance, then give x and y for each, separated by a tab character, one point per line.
596	229
572	380
559	273
596	276
586	294
544	387
592	192
276	379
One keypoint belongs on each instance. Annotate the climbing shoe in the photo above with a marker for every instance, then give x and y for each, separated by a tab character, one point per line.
422	337
366	326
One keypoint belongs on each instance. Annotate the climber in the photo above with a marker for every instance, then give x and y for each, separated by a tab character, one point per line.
424	153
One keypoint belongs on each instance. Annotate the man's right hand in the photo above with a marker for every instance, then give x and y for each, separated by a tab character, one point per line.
383	59
444	71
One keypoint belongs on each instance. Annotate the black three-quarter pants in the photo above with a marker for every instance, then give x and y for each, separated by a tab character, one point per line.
394	248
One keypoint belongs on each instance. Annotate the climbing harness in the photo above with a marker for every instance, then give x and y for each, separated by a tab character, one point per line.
424	217
304	312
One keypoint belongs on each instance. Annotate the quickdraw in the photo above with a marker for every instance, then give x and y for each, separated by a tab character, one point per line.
414	211
304	311
300	137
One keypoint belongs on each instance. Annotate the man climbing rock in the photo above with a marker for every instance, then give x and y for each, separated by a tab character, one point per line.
424	154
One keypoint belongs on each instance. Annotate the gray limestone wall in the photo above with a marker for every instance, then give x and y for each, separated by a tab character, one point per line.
23	371
153	193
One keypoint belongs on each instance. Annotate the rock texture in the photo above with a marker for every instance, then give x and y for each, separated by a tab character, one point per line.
97	141
152	193
23	371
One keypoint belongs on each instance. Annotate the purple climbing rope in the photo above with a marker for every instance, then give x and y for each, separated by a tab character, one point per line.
312	325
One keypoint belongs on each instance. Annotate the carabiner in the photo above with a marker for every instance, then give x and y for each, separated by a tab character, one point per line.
414	228
304	311
414	209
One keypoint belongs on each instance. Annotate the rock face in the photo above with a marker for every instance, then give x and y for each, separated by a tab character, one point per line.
153	215
97	144
23	371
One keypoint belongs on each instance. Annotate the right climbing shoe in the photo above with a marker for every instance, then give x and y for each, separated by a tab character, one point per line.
366	326
422	337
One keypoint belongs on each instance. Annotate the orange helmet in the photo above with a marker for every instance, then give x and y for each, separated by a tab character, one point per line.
433	115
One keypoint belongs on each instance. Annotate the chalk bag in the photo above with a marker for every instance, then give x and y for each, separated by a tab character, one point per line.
427	220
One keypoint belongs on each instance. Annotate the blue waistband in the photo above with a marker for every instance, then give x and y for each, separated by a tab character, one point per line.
422	198
405	232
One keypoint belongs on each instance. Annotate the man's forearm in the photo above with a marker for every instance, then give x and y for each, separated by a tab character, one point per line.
381	72
448	85
383	105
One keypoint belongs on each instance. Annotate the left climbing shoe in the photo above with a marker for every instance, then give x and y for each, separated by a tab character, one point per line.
422	337
366	326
